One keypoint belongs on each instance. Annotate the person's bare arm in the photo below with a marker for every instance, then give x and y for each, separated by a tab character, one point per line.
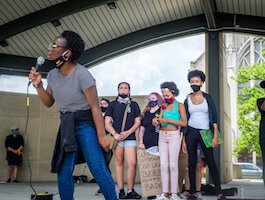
140	137
92	100
44	95
111	130
137	123
183	118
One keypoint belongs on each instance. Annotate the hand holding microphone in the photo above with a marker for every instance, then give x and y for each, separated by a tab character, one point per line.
34	75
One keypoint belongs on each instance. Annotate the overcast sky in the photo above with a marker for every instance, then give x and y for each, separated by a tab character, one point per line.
145	69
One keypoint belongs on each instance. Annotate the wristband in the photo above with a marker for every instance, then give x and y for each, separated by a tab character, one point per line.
38	85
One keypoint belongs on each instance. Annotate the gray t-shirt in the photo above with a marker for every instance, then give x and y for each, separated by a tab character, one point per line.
67	91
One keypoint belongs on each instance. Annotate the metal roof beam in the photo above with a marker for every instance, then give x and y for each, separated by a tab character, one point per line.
48	14
240	23
21	65
144	37
209	8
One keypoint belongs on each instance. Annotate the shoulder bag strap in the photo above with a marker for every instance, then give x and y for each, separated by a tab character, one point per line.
125	117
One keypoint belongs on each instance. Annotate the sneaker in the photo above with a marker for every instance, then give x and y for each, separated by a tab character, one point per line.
122	194
133	195
221	197
98	192
185	195
151	197
198	195
15	181
174	197
162	197
8	180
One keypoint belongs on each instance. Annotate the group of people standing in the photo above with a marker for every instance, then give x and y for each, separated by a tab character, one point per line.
83	130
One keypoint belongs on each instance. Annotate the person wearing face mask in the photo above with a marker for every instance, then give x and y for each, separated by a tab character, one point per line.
123	113
81	130
172	117
148	133
261	108
14	144
104	104
201	115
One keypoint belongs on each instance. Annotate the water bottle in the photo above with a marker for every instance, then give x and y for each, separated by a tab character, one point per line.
157	128
242	192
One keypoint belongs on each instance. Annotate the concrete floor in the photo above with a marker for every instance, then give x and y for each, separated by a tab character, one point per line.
254	189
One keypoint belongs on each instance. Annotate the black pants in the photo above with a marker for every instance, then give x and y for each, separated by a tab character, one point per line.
193	138
262	147
107	156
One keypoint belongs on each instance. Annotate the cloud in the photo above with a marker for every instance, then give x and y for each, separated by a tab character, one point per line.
146	68
16	84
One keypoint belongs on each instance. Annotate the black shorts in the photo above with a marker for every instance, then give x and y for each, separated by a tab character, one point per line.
13	159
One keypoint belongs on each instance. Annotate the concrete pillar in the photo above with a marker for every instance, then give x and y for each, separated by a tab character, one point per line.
212	70
219	89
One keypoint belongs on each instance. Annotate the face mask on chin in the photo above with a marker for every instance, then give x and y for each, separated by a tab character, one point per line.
123	95
58	62
195	88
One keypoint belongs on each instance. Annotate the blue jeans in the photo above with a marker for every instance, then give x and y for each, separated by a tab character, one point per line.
87	139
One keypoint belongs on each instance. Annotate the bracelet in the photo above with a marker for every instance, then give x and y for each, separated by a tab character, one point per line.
38	85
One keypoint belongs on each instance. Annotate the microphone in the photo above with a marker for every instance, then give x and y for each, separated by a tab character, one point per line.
40	61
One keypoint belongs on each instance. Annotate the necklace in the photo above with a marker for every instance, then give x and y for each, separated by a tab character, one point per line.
197	99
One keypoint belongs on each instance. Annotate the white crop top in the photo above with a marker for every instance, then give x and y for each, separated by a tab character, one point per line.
199	116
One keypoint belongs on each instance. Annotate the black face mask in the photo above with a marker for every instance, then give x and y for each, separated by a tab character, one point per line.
124	95
58	62
103	109
195	88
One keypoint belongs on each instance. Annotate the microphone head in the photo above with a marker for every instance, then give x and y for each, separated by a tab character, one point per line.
40	60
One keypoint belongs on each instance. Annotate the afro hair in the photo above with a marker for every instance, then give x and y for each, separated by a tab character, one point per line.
196	73
171	86
75	43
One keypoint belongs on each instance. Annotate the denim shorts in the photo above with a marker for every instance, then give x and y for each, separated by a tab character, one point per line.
128	143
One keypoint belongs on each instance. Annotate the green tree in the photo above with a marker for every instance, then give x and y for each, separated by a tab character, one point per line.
248	114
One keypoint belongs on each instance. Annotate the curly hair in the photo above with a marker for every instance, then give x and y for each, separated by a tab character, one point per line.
75	43
171	86
196	73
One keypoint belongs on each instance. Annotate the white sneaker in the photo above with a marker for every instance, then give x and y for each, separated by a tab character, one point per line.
198	195
185	195
162	197
174	197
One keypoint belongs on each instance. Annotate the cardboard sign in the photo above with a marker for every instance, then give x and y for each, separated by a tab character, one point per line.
150	176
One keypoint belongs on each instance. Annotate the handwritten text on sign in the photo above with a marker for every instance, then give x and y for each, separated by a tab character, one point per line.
149	168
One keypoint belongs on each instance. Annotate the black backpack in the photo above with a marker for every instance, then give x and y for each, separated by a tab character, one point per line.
210	190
